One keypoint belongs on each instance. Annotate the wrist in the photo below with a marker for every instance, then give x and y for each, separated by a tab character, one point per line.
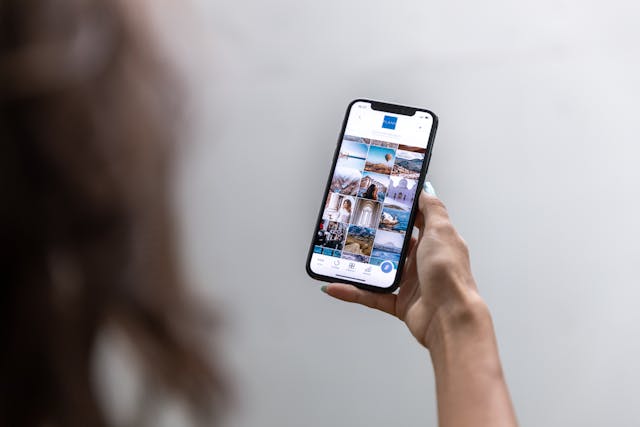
462	328
470	382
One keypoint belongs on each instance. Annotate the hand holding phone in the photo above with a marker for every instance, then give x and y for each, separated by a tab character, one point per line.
369	205
437	277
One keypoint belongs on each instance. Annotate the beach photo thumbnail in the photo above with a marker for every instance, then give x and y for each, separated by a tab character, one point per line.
401	193
408	164
373	186
330	234
339	207
355	257
387	246
345	181
359	240
380	160
366	213
394	219
352	154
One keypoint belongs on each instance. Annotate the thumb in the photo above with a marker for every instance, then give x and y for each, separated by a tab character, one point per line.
349	293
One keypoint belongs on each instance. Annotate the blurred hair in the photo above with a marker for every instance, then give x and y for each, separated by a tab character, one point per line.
86	132
371	192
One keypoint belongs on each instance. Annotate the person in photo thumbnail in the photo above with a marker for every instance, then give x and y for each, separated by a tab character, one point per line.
330	234
359	240
408	162
344	214
335	235
401	193
321	236
371	193
387	246
379	181
345	181
352	154
366	213
339	207
380	160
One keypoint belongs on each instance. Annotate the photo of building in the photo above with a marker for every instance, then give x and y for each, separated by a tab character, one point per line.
401	193
366	213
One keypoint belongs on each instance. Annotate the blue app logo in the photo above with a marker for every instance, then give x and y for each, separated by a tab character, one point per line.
389	122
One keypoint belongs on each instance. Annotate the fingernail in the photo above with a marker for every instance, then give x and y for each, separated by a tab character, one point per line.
428	188
323	288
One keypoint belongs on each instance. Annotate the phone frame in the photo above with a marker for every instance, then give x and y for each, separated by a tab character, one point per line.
394	109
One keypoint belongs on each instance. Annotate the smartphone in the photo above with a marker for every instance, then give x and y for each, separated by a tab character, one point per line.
368	208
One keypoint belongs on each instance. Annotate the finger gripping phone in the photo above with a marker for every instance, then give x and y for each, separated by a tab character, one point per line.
368	209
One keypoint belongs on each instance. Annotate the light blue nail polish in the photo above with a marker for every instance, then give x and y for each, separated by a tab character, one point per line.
428	188
323	288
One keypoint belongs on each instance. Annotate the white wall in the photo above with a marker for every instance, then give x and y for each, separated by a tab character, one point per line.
536	158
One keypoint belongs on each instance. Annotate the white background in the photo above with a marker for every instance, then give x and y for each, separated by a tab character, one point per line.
536	158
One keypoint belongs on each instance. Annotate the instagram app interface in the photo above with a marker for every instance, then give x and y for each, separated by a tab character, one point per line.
366	213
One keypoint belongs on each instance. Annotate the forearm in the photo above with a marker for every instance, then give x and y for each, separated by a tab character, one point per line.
470	386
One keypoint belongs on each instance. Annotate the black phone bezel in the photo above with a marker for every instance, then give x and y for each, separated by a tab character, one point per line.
394	109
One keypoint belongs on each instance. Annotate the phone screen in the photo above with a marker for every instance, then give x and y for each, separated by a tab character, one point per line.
367	213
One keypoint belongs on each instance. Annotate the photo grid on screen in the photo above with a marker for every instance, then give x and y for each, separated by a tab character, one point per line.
366	214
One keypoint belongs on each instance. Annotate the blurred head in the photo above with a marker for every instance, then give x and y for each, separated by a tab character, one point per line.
88	242
347	205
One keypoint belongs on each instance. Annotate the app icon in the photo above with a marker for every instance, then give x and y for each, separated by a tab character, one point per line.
386	267
389	122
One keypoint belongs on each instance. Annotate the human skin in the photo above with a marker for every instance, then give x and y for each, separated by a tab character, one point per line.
439	302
